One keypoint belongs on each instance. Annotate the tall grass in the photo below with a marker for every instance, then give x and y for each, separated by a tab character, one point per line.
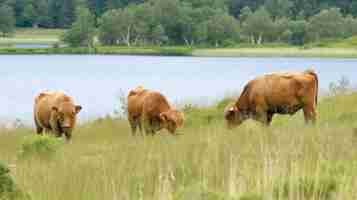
208	162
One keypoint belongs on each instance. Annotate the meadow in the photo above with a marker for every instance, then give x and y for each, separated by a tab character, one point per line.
33	36
289	160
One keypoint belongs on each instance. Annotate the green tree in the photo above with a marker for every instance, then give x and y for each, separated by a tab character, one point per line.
216	4
297	32
158	35
222	28
326	24
7	20
82	31
350	26
258	26
278	8
29	13
235	6
170	15
36	13
193	28
118	26
108	30
147	25
62	13
126	25
280	26
244	13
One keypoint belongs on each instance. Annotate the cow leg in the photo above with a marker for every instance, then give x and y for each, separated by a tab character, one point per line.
153	127
133	124
68	136
309	114
269	119
39	129
262	116
140	126
146	125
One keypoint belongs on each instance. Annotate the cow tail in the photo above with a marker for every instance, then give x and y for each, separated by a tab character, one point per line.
313	73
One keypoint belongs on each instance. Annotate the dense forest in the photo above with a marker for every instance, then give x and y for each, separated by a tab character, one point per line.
189	22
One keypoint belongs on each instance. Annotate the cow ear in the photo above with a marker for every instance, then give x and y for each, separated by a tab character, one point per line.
78	108
163	117
54	108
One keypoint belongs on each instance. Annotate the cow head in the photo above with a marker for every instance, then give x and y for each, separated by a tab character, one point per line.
171	120
233	116
65	115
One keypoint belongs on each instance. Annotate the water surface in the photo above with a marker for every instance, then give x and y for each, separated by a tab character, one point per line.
97	81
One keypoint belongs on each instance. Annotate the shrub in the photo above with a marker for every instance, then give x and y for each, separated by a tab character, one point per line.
308	188
42	146
56	45
8	188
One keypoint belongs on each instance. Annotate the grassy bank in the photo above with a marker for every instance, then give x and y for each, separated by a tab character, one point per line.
345	48
183	51
286	161
159	51
32	36
278	52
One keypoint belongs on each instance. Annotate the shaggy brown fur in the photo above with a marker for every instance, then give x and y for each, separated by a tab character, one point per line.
280	93
55	112
151	110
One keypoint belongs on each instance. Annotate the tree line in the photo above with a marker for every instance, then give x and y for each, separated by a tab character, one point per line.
185	22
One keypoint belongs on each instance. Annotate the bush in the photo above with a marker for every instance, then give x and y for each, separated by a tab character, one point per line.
308	188
56	45
43	146
8	188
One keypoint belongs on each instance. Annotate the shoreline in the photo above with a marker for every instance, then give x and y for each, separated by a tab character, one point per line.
293	52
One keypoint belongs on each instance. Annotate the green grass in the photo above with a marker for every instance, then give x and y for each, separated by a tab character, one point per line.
32	36
278	52
286	161
159	51
338	43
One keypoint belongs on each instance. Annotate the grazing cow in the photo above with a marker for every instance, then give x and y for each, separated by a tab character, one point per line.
281	93
150	110
55	112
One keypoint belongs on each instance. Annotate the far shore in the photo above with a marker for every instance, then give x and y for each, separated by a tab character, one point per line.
196	52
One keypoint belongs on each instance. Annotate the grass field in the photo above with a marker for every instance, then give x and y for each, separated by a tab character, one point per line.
33	36
208	162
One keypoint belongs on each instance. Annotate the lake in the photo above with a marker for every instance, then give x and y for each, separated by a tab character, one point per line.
30	46
96	81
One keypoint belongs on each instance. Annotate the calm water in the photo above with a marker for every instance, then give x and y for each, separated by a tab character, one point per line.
96	81
29	46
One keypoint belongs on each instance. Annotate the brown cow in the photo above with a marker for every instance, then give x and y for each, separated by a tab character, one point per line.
151	110
55	112
281	93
